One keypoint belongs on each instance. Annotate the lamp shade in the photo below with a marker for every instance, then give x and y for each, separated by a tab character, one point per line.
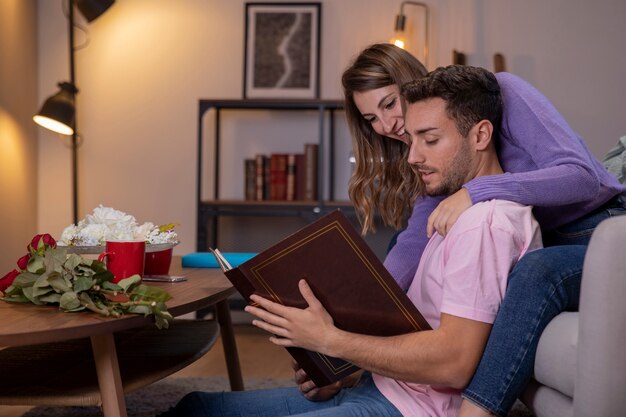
92	9
57	112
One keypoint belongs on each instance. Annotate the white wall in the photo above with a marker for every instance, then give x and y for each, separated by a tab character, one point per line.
18	135
149	61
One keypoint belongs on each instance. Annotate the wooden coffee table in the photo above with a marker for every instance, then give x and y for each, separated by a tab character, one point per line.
57	358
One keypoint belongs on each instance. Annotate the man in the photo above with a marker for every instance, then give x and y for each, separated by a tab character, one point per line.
451	116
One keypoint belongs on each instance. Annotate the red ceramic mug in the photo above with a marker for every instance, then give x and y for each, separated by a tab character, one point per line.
124	258
158	263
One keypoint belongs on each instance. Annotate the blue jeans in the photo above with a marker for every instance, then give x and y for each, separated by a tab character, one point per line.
544	283
362	400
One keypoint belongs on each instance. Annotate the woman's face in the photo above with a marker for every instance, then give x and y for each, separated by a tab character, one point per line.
382	109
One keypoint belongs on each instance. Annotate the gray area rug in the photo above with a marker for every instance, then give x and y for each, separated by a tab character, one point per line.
158	397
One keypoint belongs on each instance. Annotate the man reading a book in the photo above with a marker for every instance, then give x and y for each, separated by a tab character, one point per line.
450	119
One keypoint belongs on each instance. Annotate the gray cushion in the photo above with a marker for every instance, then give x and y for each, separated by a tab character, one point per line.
547	402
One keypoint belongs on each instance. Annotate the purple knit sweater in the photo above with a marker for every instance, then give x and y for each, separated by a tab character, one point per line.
546	164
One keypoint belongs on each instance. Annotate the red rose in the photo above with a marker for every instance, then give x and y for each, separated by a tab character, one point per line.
7	280
23	261
48	241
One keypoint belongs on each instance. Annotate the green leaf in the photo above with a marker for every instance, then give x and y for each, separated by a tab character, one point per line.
129	282
39	291
150	293
103	277
52	298
73	260
69	301
28	293
98	266
44	280
57	256
36	264
59	283
83	284
107	285
163	319
140	309
17	298
25	279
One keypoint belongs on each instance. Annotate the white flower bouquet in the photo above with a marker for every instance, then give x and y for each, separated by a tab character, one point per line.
106	223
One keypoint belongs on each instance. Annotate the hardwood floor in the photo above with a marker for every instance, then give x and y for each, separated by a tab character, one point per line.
258	358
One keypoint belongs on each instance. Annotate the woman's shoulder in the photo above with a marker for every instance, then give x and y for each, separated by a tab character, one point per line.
512	85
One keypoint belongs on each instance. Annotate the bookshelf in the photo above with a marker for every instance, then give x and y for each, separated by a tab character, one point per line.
211	209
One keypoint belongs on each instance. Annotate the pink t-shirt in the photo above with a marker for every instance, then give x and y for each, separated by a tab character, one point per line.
465	275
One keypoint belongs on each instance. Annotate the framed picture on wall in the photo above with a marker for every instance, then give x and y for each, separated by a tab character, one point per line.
282	50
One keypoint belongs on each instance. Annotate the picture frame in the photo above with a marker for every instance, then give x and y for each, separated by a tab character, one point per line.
282	50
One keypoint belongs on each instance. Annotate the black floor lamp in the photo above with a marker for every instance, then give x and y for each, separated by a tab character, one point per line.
58	112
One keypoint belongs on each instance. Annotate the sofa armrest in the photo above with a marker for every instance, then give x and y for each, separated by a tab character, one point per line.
601	356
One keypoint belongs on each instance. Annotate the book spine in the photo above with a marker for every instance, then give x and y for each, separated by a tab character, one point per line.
240	282
278	177
300	176
310	182
291	177
266	177
259	177
250	179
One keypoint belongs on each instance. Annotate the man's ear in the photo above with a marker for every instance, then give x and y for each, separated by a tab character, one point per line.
483	132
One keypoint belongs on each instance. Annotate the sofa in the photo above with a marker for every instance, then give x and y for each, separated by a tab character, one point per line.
580	367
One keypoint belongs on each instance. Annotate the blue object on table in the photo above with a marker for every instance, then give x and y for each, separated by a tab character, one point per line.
207	260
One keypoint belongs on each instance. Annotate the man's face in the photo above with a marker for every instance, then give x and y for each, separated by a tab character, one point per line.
441	155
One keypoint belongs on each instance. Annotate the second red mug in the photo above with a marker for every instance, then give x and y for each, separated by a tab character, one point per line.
124	258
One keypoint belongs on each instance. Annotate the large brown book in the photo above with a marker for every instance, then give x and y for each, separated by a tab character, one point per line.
344	274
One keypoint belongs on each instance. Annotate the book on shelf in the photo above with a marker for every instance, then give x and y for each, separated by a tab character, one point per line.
260	174
266	178
344	274
278	177
300	177
290	193
250	179
310	171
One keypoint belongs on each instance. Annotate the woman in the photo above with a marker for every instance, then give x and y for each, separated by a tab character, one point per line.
547	166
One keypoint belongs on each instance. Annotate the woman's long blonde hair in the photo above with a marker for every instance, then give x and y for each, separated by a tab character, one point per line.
383	180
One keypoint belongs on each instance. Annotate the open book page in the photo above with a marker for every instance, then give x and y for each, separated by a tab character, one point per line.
222	262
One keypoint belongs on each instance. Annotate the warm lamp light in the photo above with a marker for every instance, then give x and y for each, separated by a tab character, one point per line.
57	112
400	39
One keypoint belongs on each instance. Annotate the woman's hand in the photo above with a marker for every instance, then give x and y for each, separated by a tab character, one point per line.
447	212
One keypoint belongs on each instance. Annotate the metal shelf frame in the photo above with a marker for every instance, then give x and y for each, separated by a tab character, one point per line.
212	210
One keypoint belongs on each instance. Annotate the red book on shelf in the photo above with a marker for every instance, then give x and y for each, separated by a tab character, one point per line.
344	274
291	177
278	176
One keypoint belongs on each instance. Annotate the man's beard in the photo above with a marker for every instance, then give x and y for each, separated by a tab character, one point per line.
455	175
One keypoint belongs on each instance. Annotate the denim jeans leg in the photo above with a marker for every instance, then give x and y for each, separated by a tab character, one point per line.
544	283
363	400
